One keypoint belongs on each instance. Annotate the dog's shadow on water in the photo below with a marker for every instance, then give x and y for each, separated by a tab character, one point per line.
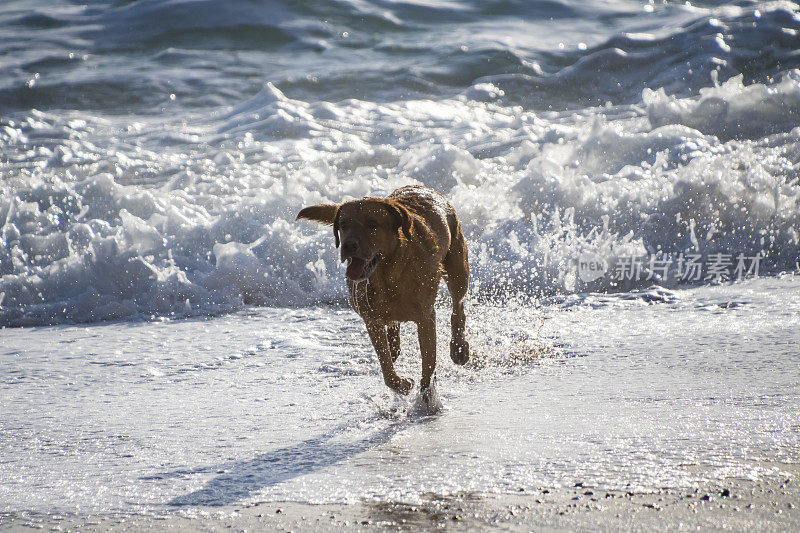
238	480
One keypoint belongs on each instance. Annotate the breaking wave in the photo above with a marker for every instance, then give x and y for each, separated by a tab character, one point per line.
105	215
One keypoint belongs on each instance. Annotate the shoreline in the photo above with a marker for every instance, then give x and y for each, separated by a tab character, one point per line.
739	505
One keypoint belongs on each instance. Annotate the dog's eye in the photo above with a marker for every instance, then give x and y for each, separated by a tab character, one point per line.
372	225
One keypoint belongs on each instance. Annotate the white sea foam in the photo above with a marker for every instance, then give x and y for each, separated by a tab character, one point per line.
731	110
199	218
285	405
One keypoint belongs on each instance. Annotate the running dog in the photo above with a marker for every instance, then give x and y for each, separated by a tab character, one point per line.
397	250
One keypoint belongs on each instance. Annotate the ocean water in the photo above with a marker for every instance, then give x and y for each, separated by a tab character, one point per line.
154	154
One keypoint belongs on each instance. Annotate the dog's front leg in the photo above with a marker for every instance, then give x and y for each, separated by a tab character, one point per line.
377	333
426	330
393	333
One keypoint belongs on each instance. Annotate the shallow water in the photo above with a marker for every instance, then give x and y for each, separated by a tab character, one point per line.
285	404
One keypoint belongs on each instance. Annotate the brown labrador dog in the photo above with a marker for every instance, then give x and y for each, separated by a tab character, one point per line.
397	249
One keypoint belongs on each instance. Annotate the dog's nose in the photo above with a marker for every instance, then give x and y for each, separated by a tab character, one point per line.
349	247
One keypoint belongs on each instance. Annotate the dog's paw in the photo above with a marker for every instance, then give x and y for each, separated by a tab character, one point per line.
428	402
401	385
459	351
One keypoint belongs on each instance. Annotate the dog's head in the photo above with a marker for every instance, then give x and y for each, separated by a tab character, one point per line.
369	229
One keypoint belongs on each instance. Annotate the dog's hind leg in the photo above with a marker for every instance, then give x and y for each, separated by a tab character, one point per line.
393	334
456	270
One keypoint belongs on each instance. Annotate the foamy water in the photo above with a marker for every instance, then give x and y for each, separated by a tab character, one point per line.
187	208
153	156
612	392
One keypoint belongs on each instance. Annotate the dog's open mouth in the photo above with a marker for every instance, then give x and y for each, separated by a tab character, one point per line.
358	268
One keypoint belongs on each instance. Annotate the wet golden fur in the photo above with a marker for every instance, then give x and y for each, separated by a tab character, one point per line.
411	239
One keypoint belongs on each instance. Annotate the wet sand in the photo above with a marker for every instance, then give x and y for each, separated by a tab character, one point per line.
738	505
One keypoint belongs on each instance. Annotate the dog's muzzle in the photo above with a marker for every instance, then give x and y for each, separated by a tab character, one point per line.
358	269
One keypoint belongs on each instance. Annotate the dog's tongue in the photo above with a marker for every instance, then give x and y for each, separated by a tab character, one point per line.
355	270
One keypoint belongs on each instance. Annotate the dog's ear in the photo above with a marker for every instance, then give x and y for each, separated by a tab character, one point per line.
324	214
402	217
336	227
